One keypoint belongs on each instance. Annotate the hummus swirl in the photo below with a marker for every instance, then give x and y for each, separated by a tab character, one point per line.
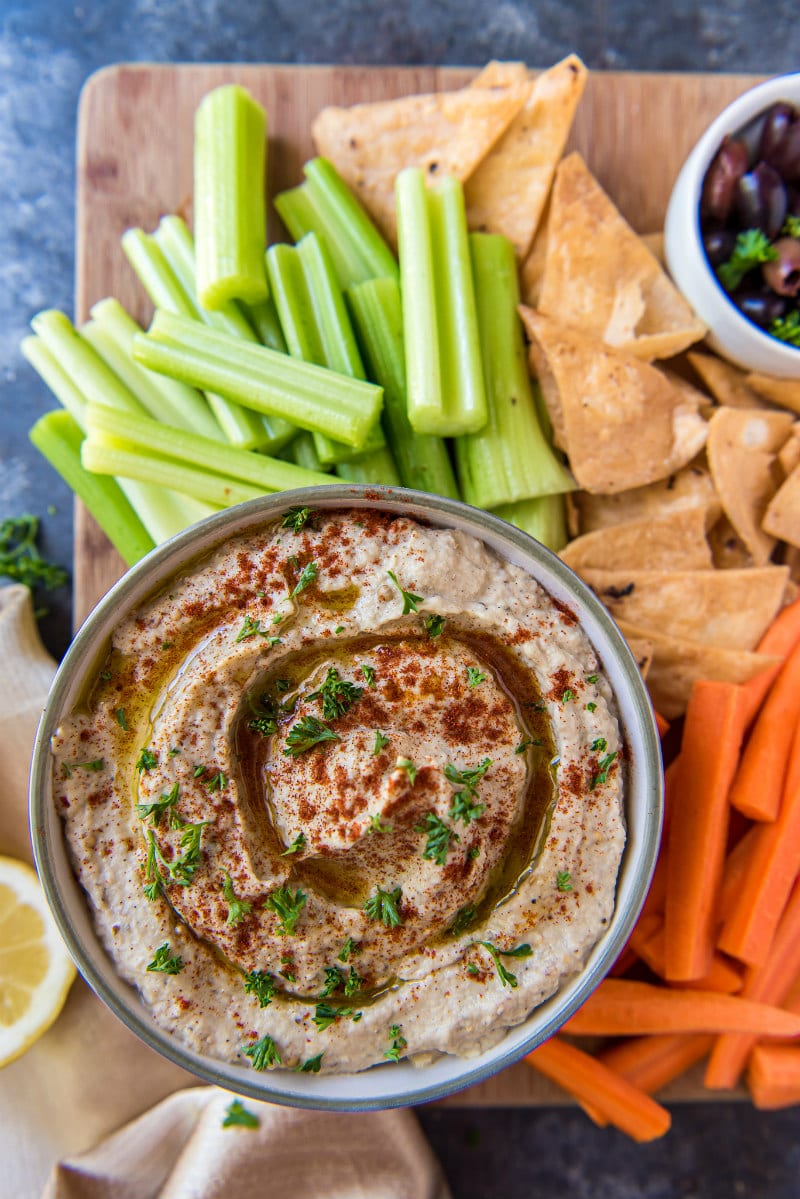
350	777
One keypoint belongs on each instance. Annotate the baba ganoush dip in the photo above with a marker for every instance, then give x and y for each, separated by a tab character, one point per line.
348	790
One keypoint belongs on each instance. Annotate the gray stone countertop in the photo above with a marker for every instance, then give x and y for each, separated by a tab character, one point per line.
47	50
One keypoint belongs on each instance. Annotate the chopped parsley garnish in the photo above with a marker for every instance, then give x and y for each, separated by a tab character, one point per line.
20	559
165	645
164	963
260	984
306	734
146	760
184	867
146	811
337	694
339	629
399	1043
94	765
296	845
567	695
602	770
334	980
354	982
599	745
250	628
752	248
273	641
282	685
263	1054
592	678
122	719
325	1015
463	917
563	881
506	977
474	852
350	949
378	825
297	518
411	602
369	674
467	778
381	740
265	720
434	625
311	1066
523	745
409	767
237	908
475	676
238	1116
383	906
217	782
287	907
591	707
465	808
787	328
439	836
307	577
174	749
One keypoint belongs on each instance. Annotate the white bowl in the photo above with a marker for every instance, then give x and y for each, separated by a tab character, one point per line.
730	332
389	1085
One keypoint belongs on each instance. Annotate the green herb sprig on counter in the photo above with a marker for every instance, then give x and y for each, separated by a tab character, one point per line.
239	1116
20	559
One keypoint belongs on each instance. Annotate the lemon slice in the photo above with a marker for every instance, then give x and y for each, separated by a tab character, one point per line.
35	971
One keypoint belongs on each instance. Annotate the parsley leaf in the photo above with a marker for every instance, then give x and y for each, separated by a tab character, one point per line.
296	845
263	1054
602	770
439	837
467	778
325	1015
369	674
378	825
475	676
287	907
354	982
434	625
337	694
146	811
409	767
380	741
122	719
520	951
237	908
383	906
297	518
411	602
94	765
567	695
307	733
465	808
250	628
752	248
238	1116
311	1066
163	963
787	328
260	984
599	745
146	760
463	917
563	881
307	577
350	949
399	1043
334	980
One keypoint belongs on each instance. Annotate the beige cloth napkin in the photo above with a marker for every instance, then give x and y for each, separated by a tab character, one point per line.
88	1075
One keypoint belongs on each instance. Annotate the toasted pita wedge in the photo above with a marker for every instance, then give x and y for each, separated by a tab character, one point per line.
789	453
731	609
642	649
783	392
674	541
677	663
725	382
601	277
791	558
447	133
506	193
692	486
655	244
728	551
532	270
620	421
501	74
741	449
782	518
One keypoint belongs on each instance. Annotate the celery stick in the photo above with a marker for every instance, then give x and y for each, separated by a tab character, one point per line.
230	149
378	467
162	511
509	459
325	205
446	394
303	452
58	437
270	474
242	428
56	378
422	460
310	396
111	333
117	459
264	319
543	518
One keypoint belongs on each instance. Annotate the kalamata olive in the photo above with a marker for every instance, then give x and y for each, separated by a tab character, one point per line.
783	273
719	245
777	120
761	200
762	308
750	134
793	197
719	185
786	155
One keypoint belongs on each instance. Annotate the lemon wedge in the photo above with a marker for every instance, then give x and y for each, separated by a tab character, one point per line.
35	970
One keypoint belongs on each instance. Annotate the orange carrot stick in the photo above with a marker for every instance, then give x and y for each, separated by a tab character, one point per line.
770	983
772	866
661	724
780	639
733	872
712	738
721	975
624	962
773	1076
621	1007
652	1062
593	1083
759	782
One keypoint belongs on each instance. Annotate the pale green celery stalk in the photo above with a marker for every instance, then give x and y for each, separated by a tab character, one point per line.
310	396
446	394
270	474
509	459
264	319
422	460
230	151
58	437
378	467
115	457
303	452
178	248
111	332
242	428
316	325
56	378
543	518
325	205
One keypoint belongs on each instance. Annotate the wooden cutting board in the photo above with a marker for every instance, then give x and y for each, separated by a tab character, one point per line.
135	164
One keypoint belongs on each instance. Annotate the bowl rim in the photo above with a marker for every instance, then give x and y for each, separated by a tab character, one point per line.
732	118
645	777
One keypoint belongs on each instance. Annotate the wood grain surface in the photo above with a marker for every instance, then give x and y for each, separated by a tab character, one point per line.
135	164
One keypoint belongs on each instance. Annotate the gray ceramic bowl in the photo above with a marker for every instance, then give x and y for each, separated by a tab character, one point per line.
389	1085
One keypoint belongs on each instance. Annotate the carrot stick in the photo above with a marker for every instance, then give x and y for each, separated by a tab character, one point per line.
780	639
773	863
770	983
699	824
652	1062
721	976
624	962
759	781
773	1076
621	1007
611	1096
661	724
733	872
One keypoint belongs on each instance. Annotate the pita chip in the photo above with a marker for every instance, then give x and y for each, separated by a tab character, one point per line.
728	551
742	447
447	133
783	392
507	191
501	74
675	540
601	277
687	488
655	244
726	383
782	518
531	272
789	453
621	422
